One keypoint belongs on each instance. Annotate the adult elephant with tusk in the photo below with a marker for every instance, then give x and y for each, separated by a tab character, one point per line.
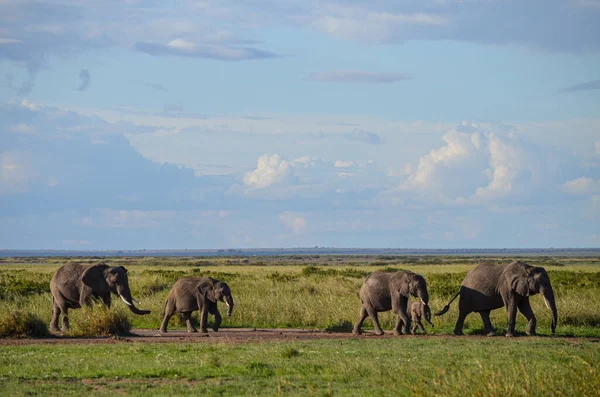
74	286
193	293
383	291
488	287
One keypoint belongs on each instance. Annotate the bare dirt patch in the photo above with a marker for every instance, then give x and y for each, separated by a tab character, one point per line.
239	335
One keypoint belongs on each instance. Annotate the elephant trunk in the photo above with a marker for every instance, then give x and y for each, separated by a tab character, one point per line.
424	296
548	295
125	294
229	303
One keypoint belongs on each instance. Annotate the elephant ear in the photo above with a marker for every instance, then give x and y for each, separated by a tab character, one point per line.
95	278
517	277
208	289
402	284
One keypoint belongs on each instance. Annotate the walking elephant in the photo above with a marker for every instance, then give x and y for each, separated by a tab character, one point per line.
488	287
190	294
74	286
418	311
383	291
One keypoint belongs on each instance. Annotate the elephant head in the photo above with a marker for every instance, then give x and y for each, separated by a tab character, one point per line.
409	283
528	280
217	290
103	278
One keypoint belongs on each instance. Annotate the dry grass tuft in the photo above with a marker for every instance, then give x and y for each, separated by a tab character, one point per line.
98	320
22	324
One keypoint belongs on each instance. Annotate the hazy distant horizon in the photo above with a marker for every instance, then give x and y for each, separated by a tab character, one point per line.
306	251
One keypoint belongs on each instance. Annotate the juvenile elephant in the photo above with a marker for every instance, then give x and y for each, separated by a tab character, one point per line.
74	286
488	287
417	311
383	291
190	294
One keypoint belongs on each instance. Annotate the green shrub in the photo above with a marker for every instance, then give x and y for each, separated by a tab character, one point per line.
21	283
284	278
19	324
99	320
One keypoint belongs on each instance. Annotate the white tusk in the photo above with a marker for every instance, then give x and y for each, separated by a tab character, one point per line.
227	303
547	303
424	304
127	303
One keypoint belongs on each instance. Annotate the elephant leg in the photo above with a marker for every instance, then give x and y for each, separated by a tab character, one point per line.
214	310
65	320
204	318
463	312
169	311
421	327
413	330
525	309
403	323
487	324
188	322
375	319
512	316
361	319
55	315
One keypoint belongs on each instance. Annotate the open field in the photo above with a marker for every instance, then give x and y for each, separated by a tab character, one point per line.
306	292
355	366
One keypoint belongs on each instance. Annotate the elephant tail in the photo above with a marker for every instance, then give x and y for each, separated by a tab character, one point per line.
447	307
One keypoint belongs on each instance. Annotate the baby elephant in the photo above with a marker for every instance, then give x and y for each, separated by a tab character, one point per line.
190	294
416	311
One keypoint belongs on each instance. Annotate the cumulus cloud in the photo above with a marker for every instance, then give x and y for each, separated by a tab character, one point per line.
293	221
185	48
475	164
84	80
582	186
354	76
269	170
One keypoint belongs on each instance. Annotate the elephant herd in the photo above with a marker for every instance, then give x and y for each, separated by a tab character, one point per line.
485	288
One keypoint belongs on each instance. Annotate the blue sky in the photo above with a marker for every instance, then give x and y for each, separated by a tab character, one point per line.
262	123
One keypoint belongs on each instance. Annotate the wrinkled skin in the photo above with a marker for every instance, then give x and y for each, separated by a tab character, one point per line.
488	287
383	291
192	293
74	286
417	311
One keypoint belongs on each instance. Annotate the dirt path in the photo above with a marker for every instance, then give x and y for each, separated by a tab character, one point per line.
234	335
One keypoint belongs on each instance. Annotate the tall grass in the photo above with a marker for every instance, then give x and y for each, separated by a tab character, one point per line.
320	295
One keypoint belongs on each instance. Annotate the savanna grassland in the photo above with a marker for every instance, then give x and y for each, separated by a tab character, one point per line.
317	292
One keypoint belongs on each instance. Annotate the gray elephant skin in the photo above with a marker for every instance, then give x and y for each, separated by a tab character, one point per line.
74	286
384	291
488	287
419	311
192	293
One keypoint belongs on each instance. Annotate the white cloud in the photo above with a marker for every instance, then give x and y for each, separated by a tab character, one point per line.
293	221
343	164
269	170
506	162
582	186
15	172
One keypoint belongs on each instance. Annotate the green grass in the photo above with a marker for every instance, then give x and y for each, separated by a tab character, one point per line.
383	367
311	292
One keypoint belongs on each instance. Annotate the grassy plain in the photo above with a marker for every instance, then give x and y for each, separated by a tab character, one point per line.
310	292
313	292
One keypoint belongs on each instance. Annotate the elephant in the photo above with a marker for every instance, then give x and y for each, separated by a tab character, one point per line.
488	287
189	294
74	286
418	310
382	291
